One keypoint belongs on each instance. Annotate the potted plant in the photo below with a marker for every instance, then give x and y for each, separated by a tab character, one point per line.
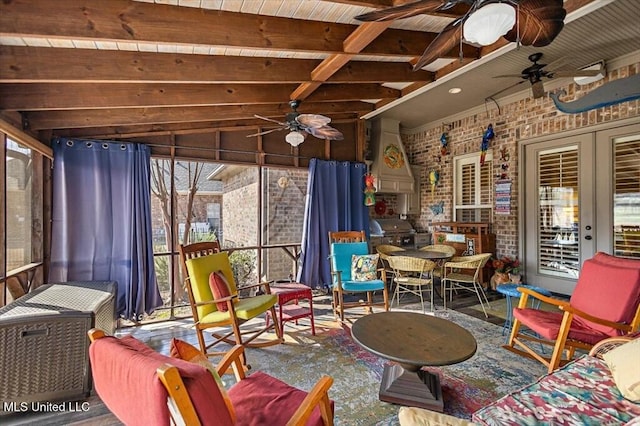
507	270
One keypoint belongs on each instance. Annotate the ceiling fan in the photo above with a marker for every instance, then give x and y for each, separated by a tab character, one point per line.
528	22
300	124
536	72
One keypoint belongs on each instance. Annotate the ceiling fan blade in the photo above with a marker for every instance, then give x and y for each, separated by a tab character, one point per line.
538	22
266	132
505	89
538	89
445	41
577	73
403	11
313	120
510	76
269	119
325	132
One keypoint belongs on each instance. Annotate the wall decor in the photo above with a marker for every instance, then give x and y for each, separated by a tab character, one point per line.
437	208
369	190
614	92
503	196
486	138
434	177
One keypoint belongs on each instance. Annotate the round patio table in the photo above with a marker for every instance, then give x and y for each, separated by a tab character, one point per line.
413	340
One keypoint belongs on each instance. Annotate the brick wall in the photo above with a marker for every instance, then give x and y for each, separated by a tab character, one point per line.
517	121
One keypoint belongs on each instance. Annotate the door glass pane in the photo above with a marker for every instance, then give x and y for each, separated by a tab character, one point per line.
626	197
558	219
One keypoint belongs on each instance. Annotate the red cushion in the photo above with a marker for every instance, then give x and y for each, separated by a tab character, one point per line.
124	376
264	400
608	288
547	325
220	288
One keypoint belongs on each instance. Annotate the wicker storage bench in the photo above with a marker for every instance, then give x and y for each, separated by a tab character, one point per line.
44	352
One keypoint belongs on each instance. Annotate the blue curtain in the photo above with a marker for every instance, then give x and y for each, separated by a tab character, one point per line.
102	220
335	202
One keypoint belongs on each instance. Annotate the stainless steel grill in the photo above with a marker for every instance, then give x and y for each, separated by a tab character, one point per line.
397	232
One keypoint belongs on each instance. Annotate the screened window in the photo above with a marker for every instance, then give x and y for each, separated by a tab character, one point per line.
626	197
19	225
473	182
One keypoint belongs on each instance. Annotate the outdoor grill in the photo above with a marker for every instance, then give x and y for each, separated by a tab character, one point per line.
397	232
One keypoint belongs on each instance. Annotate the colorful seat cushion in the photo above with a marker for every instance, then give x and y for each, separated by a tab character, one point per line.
220	289
364	267
261	399
199	269
582	392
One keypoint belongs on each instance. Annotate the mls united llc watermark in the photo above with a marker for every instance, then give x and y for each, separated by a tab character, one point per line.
45	407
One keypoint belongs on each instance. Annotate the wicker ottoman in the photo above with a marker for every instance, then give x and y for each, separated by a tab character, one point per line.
43	336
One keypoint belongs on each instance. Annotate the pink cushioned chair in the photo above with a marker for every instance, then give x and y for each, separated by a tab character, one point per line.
605	303
143	387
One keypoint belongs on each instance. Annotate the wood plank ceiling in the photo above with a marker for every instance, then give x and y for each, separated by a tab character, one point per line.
122	67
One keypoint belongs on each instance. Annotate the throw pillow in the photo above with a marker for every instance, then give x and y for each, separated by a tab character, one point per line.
187	352
219	288
623	363
363	267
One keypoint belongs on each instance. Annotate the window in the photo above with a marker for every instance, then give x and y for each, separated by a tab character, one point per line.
202	201
473	183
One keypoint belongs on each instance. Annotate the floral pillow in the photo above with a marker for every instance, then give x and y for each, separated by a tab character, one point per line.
363	267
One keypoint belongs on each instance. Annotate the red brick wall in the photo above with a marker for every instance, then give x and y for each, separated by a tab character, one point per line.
524	119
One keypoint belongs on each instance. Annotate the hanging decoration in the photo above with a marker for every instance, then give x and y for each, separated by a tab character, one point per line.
369	190
444	141
488	135
437	208
434	177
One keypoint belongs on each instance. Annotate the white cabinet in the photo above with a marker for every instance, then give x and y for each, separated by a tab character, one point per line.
410	203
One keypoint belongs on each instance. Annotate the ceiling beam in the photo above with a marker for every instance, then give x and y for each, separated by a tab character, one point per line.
55	96
39	120
356	41
117	132
140	22
24	65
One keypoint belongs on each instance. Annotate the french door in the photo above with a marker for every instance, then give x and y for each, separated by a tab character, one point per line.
581	195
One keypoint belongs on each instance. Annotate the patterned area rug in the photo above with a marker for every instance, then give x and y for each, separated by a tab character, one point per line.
491	373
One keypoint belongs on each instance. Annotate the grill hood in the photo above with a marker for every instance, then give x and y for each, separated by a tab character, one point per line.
390	166
382	227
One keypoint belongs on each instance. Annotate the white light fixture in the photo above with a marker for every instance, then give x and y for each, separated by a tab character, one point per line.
295	138
487	24
455	90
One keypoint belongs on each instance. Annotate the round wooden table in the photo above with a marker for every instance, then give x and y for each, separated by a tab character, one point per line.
413	340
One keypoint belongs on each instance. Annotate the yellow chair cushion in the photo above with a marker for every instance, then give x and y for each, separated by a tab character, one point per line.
199	269
245	309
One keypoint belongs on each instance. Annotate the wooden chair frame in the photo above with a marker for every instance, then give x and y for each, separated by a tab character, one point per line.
563	347
183	411
459	281
203	249
338	303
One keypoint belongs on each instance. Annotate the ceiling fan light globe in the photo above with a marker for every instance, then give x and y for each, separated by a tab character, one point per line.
295	138
487	24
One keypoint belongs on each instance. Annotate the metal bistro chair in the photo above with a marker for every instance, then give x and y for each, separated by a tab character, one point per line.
385	250
463	273
412	275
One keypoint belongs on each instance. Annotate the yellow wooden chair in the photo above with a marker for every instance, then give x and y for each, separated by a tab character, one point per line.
206	315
